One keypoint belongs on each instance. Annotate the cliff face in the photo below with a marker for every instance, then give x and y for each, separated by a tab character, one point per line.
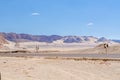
43	38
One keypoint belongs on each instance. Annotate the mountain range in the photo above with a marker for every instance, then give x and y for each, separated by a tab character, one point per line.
49	39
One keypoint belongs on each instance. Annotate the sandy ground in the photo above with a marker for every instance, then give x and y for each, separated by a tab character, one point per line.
12	68
56	47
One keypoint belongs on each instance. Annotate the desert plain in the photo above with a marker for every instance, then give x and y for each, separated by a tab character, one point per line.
23	68
42	68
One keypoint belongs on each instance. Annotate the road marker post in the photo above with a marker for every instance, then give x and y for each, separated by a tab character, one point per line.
0	75
106	48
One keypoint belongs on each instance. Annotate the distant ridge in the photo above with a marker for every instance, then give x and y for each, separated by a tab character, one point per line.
44	38
116	41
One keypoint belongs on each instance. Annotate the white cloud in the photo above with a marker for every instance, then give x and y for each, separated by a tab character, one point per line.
35	14
90	24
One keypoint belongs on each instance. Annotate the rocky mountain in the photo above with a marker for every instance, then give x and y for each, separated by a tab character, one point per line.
102	39
79	39
28	37
43	38
3	40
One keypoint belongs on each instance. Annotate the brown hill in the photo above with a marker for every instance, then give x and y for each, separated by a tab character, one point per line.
2	41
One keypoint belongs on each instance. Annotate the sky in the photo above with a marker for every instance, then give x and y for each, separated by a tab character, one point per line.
99	18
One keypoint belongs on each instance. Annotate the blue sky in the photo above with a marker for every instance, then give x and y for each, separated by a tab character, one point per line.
61	17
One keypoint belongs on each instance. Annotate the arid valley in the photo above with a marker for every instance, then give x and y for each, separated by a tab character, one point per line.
33	67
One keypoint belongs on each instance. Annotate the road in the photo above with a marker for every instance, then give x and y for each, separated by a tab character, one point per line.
109	56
